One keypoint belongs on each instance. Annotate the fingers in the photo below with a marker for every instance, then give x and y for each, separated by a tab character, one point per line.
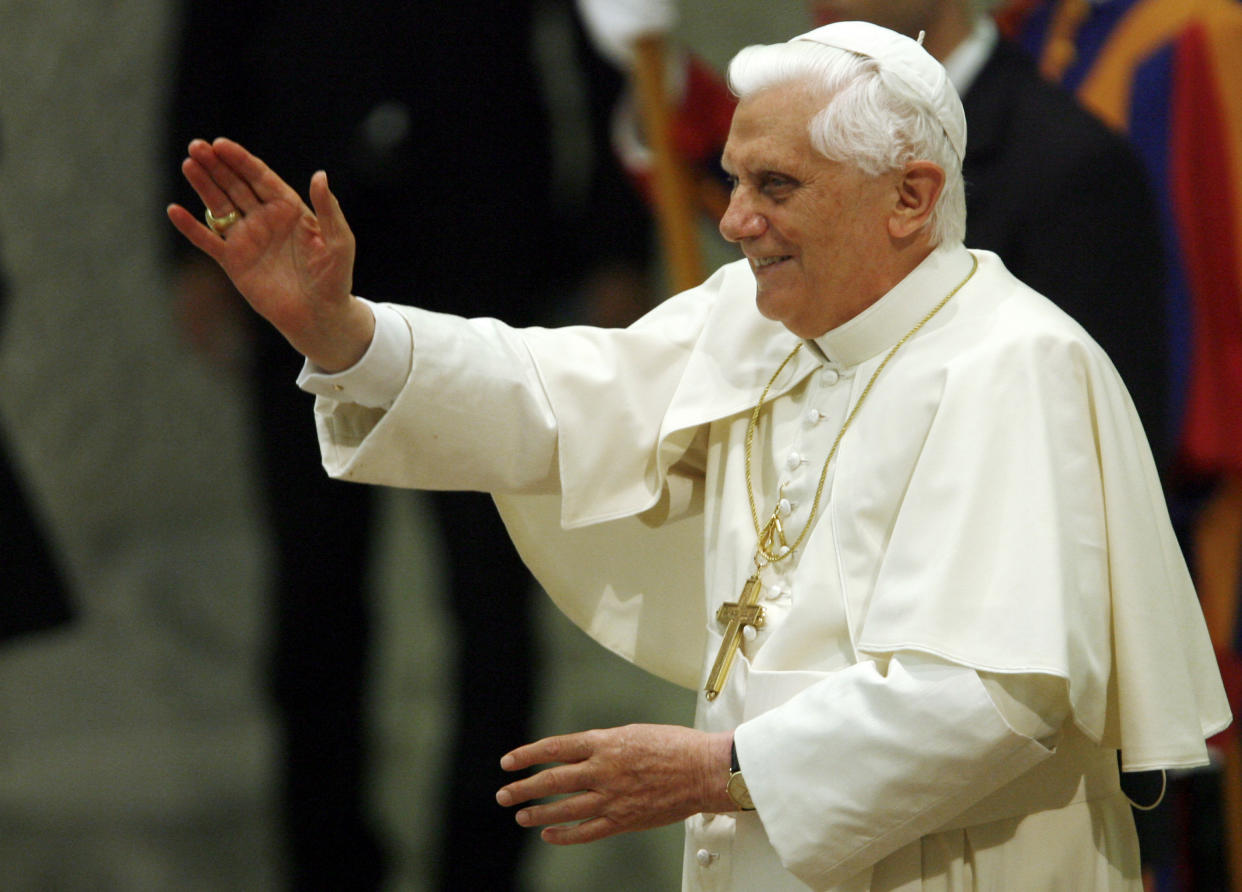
213	197
555	781
228	177
570	776
611	781
332	224
198	235
259	179
587	831
571	808
563	748
216	182
583	813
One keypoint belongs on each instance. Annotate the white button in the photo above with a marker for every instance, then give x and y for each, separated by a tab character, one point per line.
785	506
794	461
704	857
775	591
831	376
750	633
814	416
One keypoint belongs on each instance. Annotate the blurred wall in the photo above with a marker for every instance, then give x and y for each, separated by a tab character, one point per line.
134	749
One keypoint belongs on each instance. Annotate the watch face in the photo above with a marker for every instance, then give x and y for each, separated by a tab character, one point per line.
738	792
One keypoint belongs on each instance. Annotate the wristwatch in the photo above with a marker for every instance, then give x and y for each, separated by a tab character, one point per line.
736	788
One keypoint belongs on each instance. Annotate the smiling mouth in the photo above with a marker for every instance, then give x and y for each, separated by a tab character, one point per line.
764	262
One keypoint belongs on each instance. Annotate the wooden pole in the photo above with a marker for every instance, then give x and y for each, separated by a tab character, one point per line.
673	189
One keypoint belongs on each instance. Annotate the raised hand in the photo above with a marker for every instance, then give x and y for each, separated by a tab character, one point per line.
294	265
618	780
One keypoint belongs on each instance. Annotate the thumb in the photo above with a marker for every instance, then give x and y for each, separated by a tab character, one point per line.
332	223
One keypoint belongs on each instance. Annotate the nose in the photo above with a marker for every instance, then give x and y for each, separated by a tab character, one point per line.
740	220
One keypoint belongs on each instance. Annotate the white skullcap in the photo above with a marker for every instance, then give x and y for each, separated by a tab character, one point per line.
900	57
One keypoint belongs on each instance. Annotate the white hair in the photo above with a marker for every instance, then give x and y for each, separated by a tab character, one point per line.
875	122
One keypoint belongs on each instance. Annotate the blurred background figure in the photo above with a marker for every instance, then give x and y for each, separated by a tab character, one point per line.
34	596
433	122
1165	73
135	752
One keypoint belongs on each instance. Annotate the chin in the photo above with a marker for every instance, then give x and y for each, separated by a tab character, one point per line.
771	306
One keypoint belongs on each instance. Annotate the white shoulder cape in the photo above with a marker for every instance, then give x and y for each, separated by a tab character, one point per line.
1019	527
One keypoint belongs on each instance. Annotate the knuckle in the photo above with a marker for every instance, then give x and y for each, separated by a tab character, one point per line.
555	748
560	779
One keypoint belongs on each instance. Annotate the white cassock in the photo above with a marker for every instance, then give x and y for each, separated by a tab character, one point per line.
989	602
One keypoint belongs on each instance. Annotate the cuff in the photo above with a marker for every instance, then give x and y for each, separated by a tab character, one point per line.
377	378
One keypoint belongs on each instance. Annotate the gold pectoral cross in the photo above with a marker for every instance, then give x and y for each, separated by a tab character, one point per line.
744	612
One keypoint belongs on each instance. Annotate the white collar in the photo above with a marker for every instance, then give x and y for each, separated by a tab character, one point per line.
886	321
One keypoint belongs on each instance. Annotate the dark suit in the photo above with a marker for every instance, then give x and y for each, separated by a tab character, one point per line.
1066	204
389	99
430	122
33	594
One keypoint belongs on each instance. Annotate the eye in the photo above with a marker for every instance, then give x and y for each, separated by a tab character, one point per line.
777	185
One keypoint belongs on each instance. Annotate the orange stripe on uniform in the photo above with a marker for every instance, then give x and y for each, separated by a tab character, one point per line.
1143	29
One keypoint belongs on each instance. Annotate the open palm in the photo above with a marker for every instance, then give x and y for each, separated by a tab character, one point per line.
294	265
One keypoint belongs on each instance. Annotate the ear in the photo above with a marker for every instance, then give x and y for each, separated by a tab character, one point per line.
918	189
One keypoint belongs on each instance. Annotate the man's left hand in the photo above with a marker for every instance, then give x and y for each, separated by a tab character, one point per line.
618	780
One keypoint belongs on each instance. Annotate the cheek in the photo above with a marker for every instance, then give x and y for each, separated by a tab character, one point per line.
825	258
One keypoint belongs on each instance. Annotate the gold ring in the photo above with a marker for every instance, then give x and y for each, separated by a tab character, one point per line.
219	224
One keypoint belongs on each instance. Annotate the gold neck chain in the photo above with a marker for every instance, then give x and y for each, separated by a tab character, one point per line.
768	548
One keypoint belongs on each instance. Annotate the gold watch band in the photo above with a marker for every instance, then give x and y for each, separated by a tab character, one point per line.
736	787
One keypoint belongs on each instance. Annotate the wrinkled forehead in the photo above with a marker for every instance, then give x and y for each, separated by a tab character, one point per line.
775	124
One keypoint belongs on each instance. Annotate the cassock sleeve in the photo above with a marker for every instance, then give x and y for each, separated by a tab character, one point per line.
474	412
910	746
472	415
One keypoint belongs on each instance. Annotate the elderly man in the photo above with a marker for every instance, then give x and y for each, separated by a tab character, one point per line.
890	510
1034	155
